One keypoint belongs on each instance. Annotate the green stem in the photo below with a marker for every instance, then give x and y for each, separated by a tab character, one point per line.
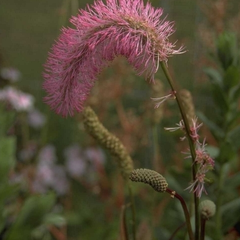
176	231
218	216
190	141
202	233
133	211
185	210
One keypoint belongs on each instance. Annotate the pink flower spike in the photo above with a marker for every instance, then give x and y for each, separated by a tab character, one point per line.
194	129
102	32
198	185
180	126
203	158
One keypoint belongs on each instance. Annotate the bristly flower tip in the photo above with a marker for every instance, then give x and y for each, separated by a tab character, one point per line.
102	32
161	100
204	163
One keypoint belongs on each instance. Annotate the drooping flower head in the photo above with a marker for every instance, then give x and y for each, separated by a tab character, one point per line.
102	32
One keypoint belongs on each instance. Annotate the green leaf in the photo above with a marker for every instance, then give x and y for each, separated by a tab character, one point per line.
7	191
214	76
6	120
31	216
213	151
232	118
227	152
218	89
234	93
227	49
233	136
231	78
229	216
54	219
233	181
7	156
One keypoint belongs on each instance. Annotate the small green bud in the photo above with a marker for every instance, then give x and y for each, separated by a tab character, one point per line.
207	209
154	179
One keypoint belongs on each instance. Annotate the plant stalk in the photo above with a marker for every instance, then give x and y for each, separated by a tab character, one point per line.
218	215
133	211
203	224
185	210
190	141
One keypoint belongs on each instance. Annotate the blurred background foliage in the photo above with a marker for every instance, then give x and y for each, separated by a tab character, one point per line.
57	183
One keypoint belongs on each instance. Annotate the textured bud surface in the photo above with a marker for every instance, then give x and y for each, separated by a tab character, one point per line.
107	140
207	208
154	179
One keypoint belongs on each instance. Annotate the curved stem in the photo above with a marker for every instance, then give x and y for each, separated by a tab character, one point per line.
185	210
190	141
176	231
133	212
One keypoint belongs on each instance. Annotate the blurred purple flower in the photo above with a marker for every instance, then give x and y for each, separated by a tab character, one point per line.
28	152
50	177
18	100
44	177
11	74
73	151
76	166
45	174
95	155
103	31
75	163
38	186
60	182
36	119
47	155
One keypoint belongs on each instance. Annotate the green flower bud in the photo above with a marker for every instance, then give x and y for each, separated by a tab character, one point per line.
207	209
154	179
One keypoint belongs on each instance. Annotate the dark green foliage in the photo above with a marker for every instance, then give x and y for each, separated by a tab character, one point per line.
32	214
225	94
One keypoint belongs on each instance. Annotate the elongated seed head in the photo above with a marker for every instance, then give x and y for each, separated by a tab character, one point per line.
154	179
95	128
